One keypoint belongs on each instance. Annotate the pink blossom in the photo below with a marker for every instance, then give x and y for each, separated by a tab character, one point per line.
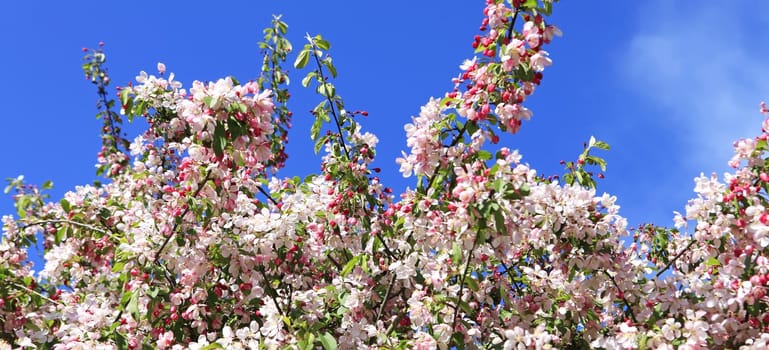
540	60
165	340
532	34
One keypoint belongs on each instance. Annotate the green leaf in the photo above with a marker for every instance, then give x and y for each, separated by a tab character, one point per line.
472	127
302	59
548	9
21	206
118	266
238	107
499	185
210	101
642	342
326	90
471	283
60	233
133	306
484	155
350	265
328	341
456	253
465	306
306	80
47	185
126	297
458	340
120	341
321	111
761	145
321	43
234	127
125	96
315	129
319	144
530	4
65	205
602	145
596	161
310	342
480	236
282	27
330	66
712	262
220	140
286	321
572	273
499	222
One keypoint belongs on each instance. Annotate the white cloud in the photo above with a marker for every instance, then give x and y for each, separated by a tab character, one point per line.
705	66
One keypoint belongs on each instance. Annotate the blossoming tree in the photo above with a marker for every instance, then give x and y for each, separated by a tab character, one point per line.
196	241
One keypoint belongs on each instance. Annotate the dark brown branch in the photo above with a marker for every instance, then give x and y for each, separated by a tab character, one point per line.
264	192
462	281
622	296
660	272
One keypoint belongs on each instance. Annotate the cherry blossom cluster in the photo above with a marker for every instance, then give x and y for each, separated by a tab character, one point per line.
489	92
192	245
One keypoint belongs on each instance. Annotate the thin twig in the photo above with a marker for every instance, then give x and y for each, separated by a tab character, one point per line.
35	292
512	278
394	323
660	272
400	315
182	215
387	250
64	221
328	96
331	258
512	23
386	297
454	142
264	192
462	281
269	286
622	295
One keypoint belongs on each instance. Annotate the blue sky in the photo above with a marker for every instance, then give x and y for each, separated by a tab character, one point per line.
669	84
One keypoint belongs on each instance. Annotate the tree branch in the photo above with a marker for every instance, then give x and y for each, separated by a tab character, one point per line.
328	96
622	296
176	225
462	281
264	192
64	221
19	286
386	297
660	272
512	23
269	287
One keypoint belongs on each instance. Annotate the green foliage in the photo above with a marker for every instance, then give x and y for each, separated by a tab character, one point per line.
114	155
577	172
